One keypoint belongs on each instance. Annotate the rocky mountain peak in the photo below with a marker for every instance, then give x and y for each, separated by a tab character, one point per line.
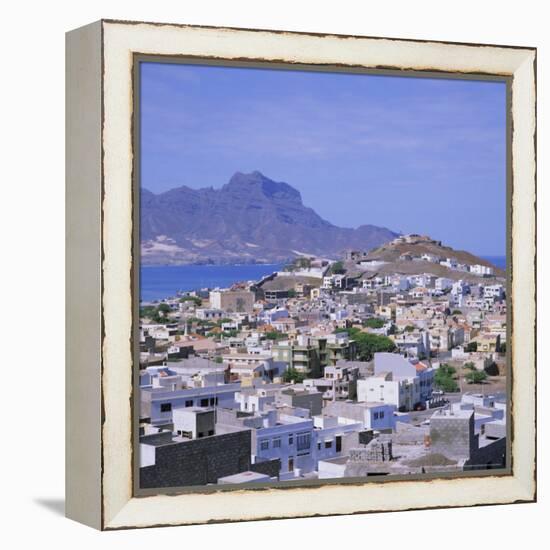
256	183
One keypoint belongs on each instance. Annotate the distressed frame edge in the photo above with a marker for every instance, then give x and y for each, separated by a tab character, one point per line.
524	488
83	254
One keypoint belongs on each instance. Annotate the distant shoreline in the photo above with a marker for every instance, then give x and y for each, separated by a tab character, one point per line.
498	261
161	282
198	264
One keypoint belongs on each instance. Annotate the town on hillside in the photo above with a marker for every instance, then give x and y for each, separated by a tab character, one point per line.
380	363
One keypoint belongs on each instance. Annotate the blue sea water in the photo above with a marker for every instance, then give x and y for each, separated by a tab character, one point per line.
499	261
158	282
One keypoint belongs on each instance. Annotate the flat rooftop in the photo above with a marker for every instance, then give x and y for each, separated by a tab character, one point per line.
336	460
196	410
452	413
244	477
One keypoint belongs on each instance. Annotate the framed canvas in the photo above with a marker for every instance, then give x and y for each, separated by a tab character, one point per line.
359	339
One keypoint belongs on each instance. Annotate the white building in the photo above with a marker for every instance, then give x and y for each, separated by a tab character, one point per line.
397	381
277	432
209	314
288	438
493	291
430	258
451	263
413	344
269	316
442	283
334	281
370	415
329	433
481	270
194	422
251	367
460	287
158	403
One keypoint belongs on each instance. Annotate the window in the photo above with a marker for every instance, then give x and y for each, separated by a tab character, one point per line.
276	442
212	401
375	416
210	432
328	444
264	445
381	414
318	446
189	403
204	402
303	441
338	443
291	439
165	407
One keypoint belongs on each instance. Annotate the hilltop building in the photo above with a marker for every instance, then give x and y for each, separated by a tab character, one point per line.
232	301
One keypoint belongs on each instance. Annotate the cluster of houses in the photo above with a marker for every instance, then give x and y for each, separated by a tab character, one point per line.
252	385
367	260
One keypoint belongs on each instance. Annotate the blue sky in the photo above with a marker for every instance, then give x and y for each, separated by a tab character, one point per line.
416	155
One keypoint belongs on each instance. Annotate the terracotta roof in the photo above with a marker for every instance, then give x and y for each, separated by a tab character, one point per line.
420	367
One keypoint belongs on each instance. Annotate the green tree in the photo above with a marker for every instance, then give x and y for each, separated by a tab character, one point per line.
457	312
218	359
337	267
148	312
369	344
476	377
303	263
274	335
155	314
445	378
469	365
472	346
293	375
195	299
409	328
374	323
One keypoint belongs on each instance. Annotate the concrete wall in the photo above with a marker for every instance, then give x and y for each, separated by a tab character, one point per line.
198	461
453	436
267	467
311	401
490	456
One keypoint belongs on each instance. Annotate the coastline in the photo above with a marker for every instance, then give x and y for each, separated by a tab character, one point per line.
161	282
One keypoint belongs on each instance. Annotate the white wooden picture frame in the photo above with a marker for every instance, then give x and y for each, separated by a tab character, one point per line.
101	260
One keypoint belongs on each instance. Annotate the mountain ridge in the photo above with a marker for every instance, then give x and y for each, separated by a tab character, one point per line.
250	219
